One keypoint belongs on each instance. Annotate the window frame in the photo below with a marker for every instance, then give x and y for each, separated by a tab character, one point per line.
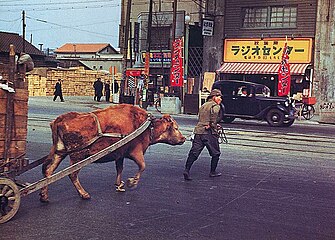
292	23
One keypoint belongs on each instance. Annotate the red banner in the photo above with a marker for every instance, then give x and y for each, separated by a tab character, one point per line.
134	72
284	74
177	66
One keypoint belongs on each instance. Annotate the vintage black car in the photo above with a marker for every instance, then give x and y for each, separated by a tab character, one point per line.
248	100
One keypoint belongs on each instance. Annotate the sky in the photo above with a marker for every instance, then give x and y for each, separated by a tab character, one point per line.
56	22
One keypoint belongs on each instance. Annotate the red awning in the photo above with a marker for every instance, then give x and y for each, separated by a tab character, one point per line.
261	68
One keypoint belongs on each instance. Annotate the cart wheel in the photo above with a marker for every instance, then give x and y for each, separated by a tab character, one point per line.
9	199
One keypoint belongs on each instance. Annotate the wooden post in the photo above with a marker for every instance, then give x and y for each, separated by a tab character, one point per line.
10	104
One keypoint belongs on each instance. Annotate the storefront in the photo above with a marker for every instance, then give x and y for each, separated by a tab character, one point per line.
258	60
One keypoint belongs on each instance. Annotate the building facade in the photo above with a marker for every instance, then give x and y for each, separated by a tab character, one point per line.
188	25
93	56
248	35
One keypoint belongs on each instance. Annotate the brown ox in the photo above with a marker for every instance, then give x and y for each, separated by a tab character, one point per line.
72	135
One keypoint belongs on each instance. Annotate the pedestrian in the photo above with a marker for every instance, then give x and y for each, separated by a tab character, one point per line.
206	134
98	87
107	91
58	91
116	87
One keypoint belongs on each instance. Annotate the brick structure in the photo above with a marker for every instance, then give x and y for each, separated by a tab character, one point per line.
76	81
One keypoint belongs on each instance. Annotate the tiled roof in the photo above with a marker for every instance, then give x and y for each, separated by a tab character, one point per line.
83	47
7	38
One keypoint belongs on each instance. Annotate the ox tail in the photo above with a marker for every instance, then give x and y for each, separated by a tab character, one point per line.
53	150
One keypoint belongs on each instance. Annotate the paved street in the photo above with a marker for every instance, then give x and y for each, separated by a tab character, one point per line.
276	184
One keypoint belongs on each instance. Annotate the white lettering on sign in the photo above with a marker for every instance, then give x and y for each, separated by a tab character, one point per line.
207	27
327	107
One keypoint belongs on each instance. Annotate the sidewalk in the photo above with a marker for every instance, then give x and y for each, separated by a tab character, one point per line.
89	102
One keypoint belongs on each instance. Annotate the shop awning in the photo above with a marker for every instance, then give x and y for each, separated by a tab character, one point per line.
261	68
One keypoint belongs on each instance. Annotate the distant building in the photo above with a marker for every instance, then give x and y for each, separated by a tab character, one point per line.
94	56
6	39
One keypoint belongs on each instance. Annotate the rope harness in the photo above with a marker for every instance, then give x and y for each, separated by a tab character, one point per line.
112	135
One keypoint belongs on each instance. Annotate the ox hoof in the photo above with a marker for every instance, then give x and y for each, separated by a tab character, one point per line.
132	182
120	187
44	199
85	196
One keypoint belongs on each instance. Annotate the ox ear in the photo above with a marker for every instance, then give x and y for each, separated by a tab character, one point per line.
167	117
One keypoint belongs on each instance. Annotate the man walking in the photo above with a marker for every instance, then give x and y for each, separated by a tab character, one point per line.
98	87
107	91
58	91
206	134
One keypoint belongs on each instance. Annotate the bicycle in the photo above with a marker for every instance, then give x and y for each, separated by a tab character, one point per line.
305	109
157	104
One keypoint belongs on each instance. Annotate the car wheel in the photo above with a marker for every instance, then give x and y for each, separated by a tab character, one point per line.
288	123
228	119
275	118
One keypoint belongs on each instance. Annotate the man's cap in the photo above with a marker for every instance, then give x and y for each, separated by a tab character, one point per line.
215	92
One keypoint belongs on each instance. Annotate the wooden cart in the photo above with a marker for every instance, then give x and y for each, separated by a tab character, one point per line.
13	134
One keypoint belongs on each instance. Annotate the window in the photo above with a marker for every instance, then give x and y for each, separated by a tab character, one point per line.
160	38
255	17
283	17
270	17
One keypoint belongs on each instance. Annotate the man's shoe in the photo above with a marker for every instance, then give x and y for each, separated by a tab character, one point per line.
215	174
187	175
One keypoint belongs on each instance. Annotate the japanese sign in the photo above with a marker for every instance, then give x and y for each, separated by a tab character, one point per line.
284	75
207	27
157	57
134	72
267	50
177	66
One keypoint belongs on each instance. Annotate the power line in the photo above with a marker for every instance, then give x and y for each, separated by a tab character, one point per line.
69	27
57	3
3	20
62	8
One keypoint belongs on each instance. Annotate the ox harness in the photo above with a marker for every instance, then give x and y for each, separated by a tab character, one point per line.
141	129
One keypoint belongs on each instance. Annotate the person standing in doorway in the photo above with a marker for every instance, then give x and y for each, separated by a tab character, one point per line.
206	134
98	87
107	91
58	91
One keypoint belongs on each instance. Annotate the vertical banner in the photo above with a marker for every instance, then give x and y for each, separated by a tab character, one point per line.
284	74
177	66
146	69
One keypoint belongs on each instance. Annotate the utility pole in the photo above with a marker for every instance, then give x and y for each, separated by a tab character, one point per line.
147	56
23	31
125	49
174	23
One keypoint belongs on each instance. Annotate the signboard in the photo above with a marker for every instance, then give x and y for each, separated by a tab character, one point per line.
267	50
209	78
207	27
177	66
157	57
134	72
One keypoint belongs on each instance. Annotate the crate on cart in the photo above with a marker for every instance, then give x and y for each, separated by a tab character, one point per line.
13	116
14	122
309	100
